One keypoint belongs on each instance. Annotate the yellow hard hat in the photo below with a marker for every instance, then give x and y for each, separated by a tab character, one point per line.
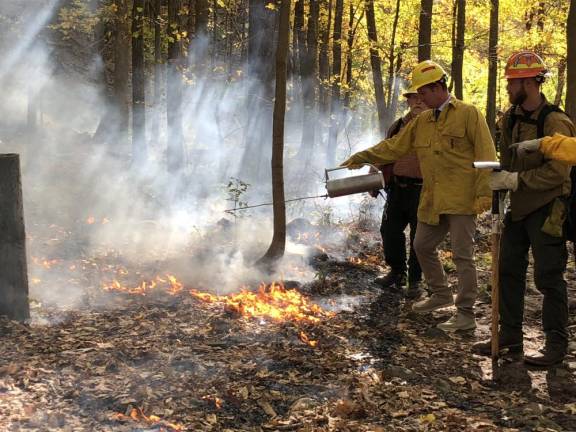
426	72
410	90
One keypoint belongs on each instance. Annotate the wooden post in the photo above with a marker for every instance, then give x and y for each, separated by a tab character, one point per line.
13	270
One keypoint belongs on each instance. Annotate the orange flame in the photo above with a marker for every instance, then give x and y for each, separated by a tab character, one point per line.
137	415
304	338
171	285
274	301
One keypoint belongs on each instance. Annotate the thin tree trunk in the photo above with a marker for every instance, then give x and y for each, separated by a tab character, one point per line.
336	82
277	247
175	149
425	30
458	49
376	65
138	85
349	44
158	75
310	84
324	62
571	61
390	112
561	82
492	68
13	268
202	12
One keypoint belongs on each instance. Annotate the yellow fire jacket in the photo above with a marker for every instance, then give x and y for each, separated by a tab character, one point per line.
559	147
446	149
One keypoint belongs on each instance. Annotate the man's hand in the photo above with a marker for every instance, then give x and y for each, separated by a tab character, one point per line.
525	147
504	180
353	162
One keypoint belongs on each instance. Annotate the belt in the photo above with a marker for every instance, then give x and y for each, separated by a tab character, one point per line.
407	181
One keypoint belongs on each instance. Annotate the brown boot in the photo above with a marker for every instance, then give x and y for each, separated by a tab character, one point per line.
552	354
507	345
432	303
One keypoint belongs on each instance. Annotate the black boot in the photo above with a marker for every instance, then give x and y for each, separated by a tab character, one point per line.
396	279
414	290
552	354
507	345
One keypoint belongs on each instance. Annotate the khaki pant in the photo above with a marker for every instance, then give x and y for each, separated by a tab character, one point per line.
428	237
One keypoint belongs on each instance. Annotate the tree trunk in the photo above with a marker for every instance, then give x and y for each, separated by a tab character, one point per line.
324	62
425	30
261	43
391	83
458	49
571	61
336	82
277	247
376	65
175	149
202	12
349	44
561	82
138	85
13	269
308	69
492	68
158	71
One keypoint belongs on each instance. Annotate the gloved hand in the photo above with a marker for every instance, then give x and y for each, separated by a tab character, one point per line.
353	162
525	147
504	180
482	203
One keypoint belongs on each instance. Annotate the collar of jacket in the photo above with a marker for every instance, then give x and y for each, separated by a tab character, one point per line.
534	115
452	103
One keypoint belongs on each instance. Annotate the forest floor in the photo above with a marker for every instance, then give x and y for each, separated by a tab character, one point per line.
173	362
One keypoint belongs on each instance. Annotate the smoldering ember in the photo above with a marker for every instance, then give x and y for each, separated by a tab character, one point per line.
275	215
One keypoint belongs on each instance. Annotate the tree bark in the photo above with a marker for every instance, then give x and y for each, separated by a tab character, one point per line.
308	69
458	49
561	82
277	247
492	68
349	44
324	61
158	71
571	61
13	268
391	83
336	83
202	12
138	85
261	43
376	65
175	149
425	30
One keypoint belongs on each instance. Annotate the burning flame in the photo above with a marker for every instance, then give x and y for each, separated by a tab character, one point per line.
136	414
304	338
274	301
168	283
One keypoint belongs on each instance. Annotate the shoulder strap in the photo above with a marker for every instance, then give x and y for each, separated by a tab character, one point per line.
511	121
546	109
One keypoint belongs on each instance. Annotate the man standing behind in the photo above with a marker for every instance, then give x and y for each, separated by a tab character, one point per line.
539	189
447	140
402	198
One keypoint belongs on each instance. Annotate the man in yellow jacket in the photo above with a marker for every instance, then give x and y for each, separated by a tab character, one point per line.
447	140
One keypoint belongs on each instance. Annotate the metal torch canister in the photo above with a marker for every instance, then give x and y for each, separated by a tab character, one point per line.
355	184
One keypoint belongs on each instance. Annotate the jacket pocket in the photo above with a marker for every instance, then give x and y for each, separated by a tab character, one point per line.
453	138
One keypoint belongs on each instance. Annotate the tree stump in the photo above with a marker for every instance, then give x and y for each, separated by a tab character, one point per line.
13	269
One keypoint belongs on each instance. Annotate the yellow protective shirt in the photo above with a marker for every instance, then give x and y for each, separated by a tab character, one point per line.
559	147
446	149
